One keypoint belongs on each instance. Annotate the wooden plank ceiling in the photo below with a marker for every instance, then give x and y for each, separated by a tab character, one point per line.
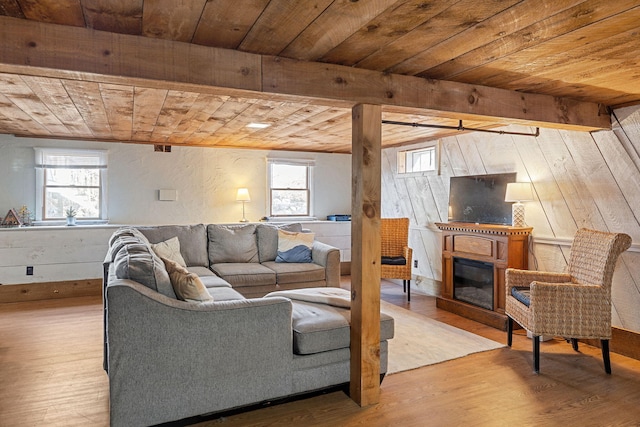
585	50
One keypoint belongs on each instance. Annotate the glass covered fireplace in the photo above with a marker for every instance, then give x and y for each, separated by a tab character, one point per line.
473	282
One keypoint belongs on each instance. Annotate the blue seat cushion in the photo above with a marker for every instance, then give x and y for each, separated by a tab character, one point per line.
522	294
394	260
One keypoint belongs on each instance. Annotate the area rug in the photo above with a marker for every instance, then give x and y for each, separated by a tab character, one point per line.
420	341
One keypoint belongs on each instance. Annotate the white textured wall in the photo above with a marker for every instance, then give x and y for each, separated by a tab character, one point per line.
206	180
579	180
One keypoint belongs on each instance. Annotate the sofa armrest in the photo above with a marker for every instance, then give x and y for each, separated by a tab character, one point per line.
328	257
171	359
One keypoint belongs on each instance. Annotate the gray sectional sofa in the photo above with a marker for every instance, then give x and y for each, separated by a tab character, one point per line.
244	256
169	359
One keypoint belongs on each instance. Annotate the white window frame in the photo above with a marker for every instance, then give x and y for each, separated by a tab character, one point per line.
41	165
404	164
292	162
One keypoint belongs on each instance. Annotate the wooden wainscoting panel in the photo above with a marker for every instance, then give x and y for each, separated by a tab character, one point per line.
50	290
623	341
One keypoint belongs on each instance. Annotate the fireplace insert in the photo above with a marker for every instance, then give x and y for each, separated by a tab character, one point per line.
473	282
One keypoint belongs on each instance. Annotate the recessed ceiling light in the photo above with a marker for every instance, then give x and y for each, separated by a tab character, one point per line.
258	125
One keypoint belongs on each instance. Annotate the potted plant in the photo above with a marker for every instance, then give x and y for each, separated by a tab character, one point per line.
71	215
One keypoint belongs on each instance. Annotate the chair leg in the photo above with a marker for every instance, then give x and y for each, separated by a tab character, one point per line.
574	344
509	331
408	290
536	353
605	356
404	286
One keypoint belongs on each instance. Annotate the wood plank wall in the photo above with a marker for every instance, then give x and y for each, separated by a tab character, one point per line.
579	180
55	253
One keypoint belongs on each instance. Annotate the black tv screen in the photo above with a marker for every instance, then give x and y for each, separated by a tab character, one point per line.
480	198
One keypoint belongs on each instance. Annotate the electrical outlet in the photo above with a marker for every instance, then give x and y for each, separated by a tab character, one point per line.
415	263
29	270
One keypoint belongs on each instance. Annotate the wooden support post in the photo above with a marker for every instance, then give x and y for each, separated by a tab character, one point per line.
365	254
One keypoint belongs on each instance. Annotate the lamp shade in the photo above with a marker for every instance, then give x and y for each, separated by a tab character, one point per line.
518	192
243	195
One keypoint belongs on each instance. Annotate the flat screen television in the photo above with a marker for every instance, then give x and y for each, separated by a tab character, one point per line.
480	198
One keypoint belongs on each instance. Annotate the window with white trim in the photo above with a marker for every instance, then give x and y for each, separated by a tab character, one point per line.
419	160
70	178
289	187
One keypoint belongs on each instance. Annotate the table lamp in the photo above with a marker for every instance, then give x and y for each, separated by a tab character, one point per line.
518	192
243	196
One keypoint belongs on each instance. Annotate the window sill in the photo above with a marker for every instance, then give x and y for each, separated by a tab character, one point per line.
59	223
288	218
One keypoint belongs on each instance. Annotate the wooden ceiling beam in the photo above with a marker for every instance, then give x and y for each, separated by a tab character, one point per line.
75	53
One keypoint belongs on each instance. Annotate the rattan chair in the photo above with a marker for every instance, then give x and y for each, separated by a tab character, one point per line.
573	305
396	253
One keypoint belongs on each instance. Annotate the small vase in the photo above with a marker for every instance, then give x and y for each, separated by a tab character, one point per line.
71	220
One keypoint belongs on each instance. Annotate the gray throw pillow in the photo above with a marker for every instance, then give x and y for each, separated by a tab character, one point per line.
268	239
232	243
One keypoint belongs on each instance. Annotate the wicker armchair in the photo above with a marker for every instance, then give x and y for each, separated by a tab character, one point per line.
574	305
396	253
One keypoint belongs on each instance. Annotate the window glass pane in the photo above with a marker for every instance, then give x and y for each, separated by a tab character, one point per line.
288	176
289	202
85	200
69	177
421	160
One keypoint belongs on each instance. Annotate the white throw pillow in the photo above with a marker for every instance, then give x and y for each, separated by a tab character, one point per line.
169	249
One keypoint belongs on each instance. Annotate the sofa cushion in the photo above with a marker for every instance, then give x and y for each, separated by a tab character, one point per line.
294	247
214	281
323	327
522	294
245	274
200	271
296	272
224	293
127	231
187	286
268	239
169	249
393	260
138	262
120	243
122	237
256	291
234	244
193	240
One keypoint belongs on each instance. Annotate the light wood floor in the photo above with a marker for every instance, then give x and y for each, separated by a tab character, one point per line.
51	375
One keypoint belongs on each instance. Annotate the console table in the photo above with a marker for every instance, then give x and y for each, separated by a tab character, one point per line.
480	247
